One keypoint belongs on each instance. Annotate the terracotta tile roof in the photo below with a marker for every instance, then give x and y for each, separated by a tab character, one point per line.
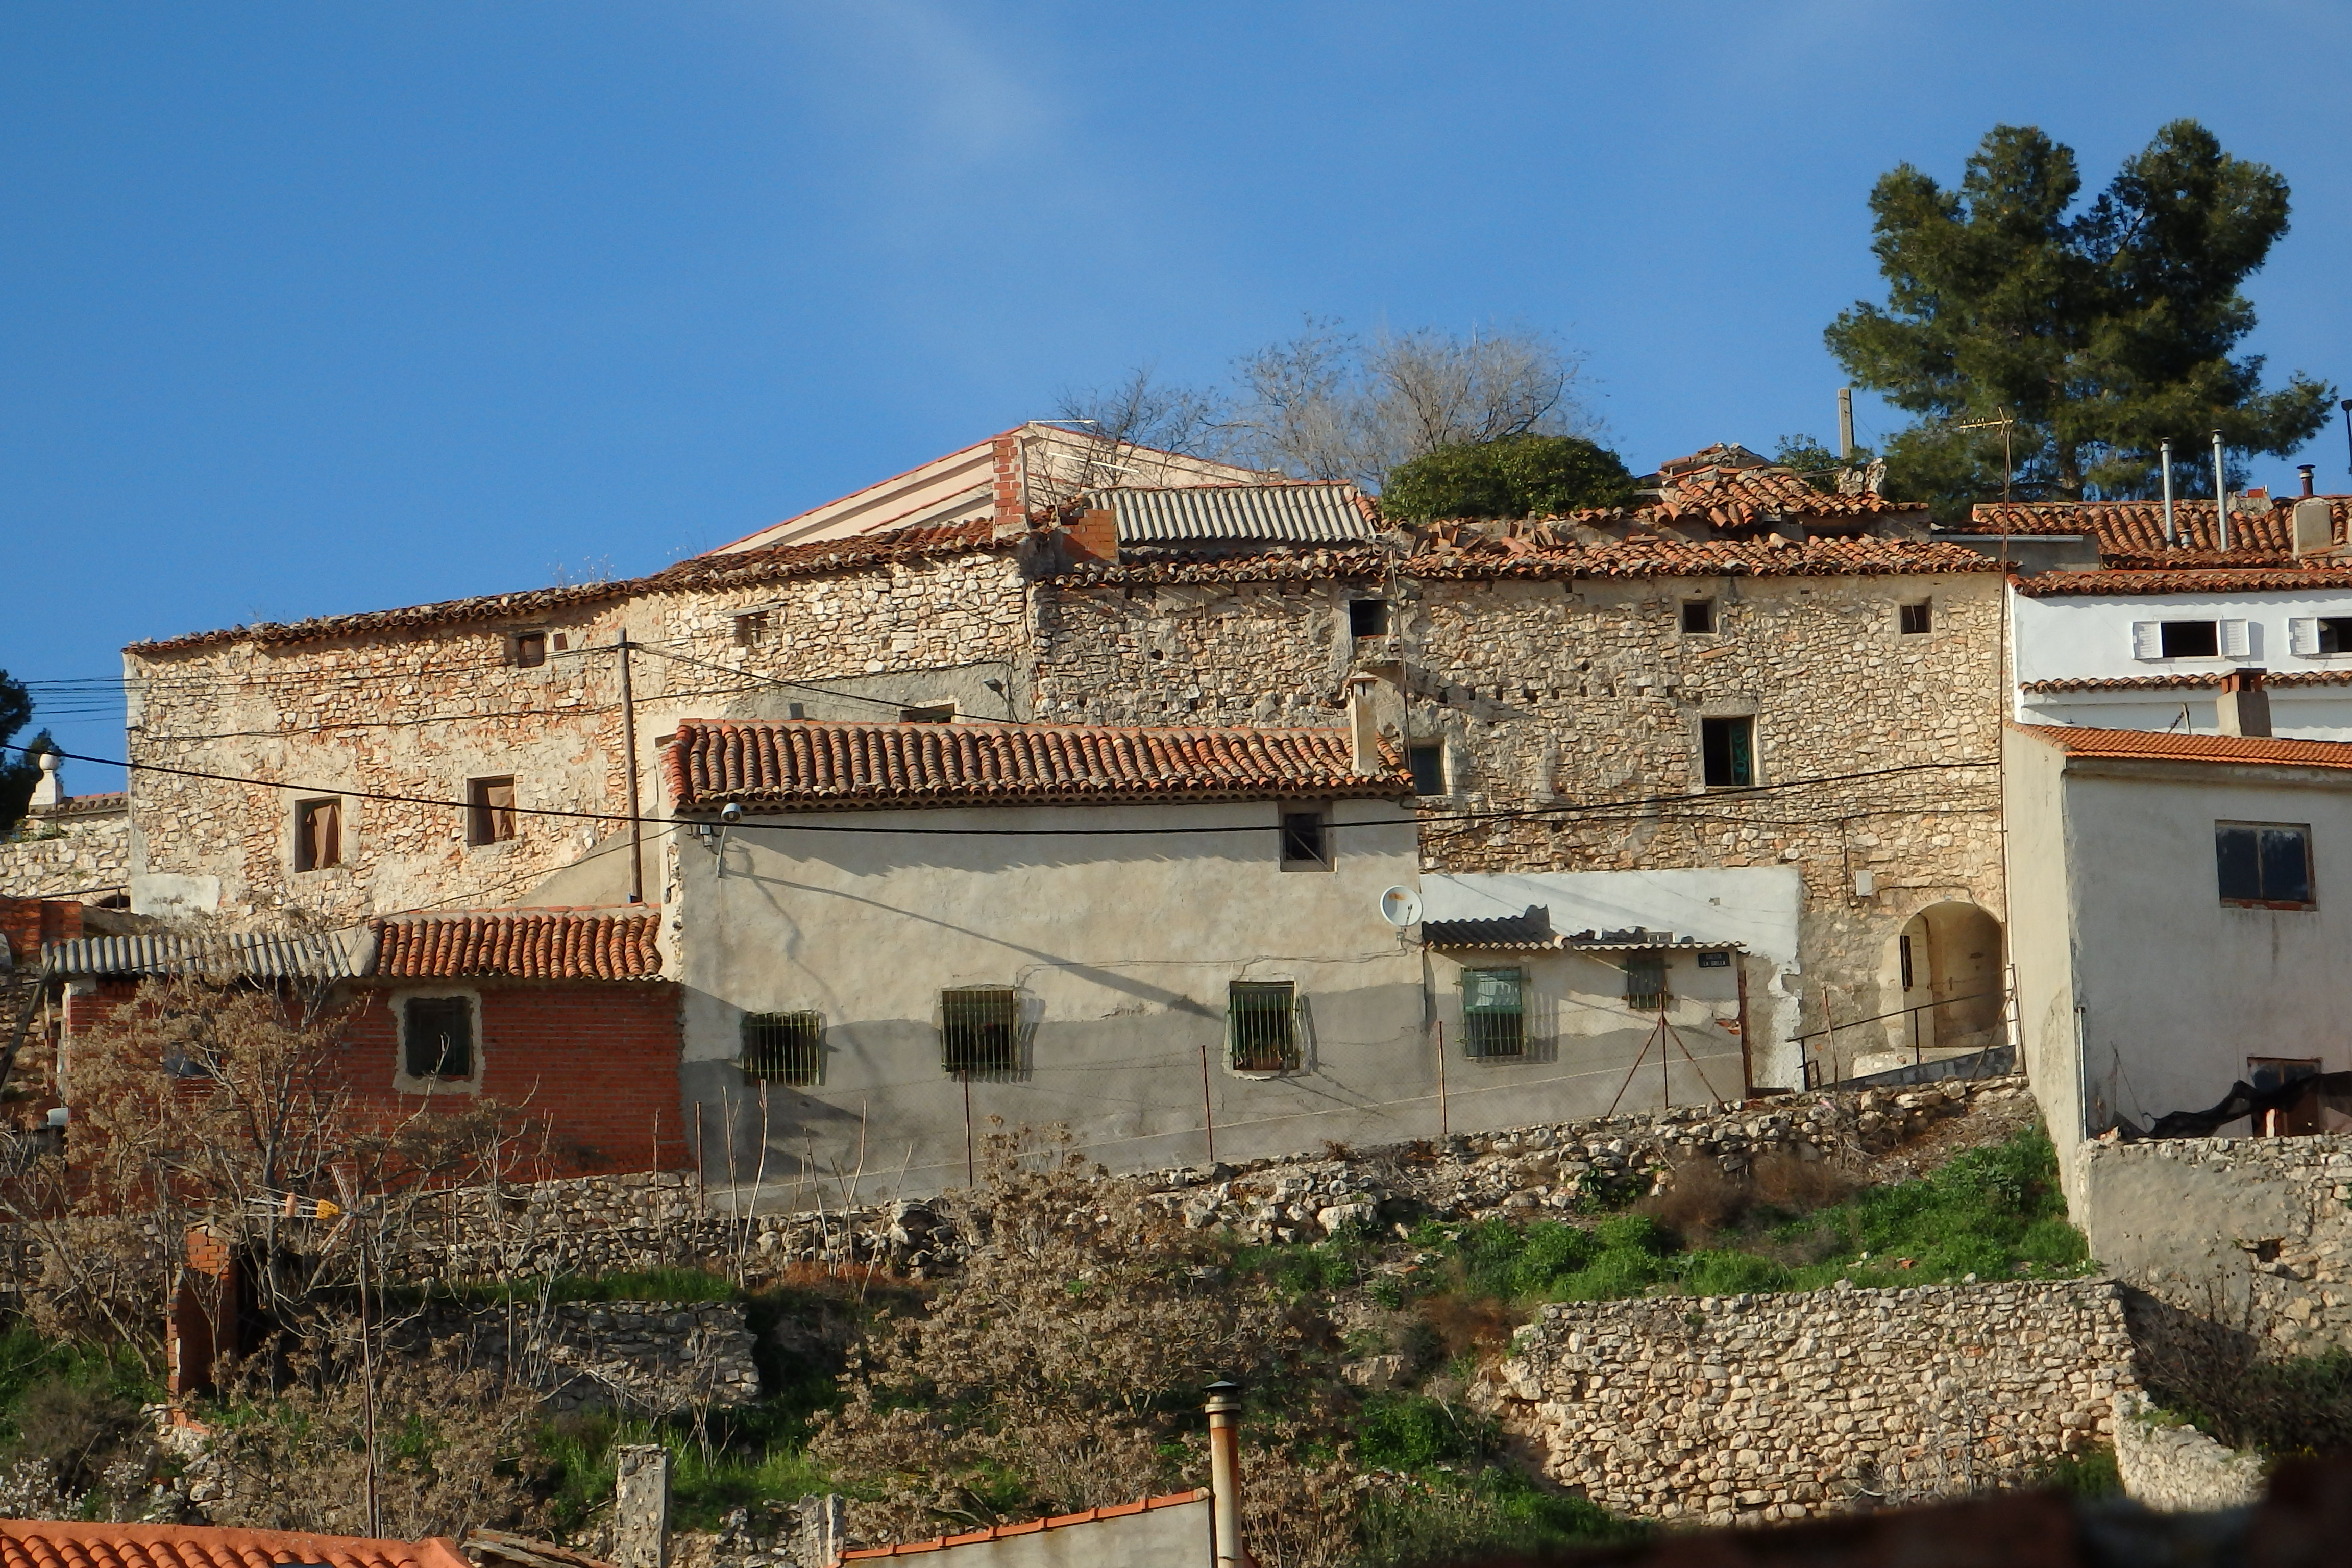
2169	579
526	944
700	572
2135	529
53	1543
1030	1527
808	764
1547	557
2187	681
2148	745
1730	487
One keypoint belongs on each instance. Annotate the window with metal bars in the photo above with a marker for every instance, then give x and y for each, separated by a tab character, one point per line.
438	1037
1646	980
980	1029
1261	1025
1494	1012
783	1047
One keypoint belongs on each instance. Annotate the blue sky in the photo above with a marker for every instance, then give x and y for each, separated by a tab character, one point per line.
313	308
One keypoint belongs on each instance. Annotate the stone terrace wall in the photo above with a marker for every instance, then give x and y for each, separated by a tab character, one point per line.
42	862
1547	693
2249	1235
2176	1467
1755	1408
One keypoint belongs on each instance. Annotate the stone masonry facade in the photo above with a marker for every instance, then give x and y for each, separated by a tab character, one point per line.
1752	1409
84	855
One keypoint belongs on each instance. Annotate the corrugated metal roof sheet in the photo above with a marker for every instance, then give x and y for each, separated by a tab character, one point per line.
261	955
1289	514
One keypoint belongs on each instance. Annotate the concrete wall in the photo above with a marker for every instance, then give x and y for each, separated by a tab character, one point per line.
2042	937
1121	948
2172	991
1168	1534
1757	1408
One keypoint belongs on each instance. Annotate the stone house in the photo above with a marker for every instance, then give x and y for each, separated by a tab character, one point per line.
68	846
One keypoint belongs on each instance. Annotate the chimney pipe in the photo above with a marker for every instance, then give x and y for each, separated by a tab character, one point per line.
1363	726
2167	461
2244	706
2305	471
2221	495
1225	1472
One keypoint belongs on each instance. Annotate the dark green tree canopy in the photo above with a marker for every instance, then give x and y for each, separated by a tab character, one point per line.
2100	329
1518	475
19	772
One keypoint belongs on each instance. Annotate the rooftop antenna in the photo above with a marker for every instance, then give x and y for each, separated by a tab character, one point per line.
2004	425
2166	460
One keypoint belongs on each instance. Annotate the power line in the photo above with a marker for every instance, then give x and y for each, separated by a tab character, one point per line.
1564	809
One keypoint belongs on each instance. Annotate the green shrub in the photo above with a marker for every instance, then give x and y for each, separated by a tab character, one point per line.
1442	1518
1518	475
1408	1432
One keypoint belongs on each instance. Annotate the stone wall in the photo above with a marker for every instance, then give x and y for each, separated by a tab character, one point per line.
2171	1466
2243	1235
1547	693
642	1358
1757	1408
66	858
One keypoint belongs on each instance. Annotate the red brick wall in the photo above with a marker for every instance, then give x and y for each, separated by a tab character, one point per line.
596	1060
29	925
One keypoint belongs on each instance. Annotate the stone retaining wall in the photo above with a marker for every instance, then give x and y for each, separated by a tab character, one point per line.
2251	1234
52	861
2176	1467
1755	1408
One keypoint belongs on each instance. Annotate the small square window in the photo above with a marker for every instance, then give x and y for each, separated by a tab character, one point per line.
783	1047
1917	618
2264	864
1698	615
562	642
752	631
2191	639
1494	1012
436	1038
1645	982
1427	760
1261	1025
530	649
980	1029
318	835
1306	844
1728	751
2336	634
938	713
1367	618
490	810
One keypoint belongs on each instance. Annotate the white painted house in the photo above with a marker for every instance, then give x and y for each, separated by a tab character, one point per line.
2179	906
2147	648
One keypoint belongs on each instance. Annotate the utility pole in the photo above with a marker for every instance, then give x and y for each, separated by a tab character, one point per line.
629	751
1845	423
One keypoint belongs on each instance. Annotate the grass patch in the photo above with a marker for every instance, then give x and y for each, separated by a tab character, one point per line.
1442	1517
707	1481
2092	1473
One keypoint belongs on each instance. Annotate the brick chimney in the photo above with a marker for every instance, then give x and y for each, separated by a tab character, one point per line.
2244	706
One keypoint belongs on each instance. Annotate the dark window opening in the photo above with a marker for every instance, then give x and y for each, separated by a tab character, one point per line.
531	649
2336	634
795	710
562	642
783	1047
2264	864
318	835
1493	1012
1304	844
979	1030
1427	760
2189	639
1367	618
1645	982
1917	618
2300	1117
1728	751
1903	945
1698	615
438	1037
1261	1025
752	631
490	810
939	713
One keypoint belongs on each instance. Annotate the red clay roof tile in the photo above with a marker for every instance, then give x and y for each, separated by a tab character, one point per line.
2135	529
1467	559
813	765
2267	578
523	945
2185	682
998	1532
56	1543
2149	745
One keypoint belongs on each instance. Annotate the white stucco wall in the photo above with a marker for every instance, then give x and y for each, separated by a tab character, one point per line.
2132	952
1757	907
2089	638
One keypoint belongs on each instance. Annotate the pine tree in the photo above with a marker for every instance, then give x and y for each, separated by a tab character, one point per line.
2099	331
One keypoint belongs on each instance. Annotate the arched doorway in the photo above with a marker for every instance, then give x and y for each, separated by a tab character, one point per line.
1949	959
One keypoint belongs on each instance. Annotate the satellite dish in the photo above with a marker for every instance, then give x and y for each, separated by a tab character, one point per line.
1401	907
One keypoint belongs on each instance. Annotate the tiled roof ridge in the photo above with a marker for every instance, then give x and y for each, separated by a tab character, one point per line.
1030	1527
2152	745
747	567
2122	581
2133	531
1473	559
2184	681
74	1544
845	763
614	942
